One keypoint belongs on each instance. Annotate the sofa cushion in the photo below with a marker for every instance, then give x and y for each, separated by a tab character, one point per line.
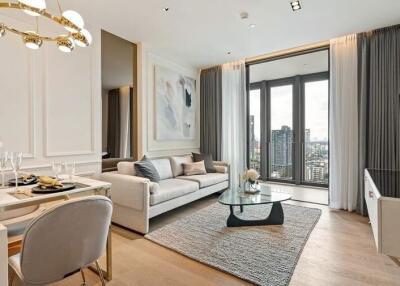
196	168
154	188
126	168
206	180
208	161
145	168
177	164
172	188
163	167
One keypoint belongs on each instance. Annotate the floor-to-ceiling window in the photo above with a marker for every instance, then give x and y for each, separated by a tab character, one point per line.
316	132
255	129
288	119
281	131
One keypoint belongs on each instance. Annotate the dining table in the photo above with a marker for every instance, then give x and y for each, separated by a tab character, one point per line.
12	199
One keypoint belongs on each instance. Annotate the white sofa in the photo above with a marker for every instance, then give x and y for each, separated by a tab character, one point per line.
136	199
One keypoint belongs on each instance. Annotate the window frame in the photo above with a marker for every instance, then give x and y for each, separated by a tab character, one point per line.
298	124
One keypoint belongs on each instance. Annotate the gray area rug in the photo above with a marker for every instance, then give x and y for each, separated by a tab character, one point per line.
263	255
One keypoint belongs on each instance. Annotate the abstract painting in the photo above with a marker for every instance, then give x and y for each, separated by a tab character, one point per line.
175	103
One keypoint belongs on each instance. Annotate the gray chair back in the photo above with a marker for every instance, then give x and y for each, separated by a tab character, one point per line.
65	239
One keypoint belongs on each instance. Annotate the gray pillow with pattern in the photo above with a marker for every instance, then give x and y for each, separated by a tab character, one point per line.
145	168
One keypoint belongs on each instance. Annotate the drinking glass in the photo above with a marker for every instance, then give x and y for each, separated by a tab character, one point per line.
3	163
70	170
57	169
16	162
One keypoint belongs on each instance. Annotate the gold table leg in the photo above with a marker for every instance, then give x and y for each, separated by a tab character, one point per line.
108	272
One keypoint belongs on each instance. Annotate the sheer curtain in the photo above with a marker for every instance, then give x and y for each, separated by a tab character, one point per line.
233	139
343	182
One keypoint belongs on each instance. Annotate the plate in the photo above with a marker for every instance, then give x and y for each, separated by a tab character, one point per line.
66	187
21	182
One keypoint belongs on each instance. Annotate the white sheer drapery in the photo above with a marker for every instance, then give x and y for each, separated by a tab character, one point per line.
343	182
234	120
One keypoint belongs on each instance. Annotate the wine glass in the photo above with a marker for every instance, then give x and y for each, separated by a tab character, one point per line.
3	163
70	170
57	169
16	162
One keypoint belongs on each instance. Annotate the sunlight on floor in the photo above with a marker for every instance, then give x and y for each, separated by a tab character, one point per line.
302	193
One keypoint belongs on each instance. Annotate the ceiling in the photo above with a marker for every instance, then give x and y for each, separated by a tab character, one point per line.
200	33
288	67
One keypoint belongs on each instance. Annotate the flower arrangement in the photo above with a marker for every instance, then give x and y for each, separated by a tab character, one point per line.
250	176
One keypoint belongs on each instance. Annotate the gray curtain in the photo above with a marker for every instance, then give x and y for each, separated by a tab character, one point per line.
114	124
379	102
211	111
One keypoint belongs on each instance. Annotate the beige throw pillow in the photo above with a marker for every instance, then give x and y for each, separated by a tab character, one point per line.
197	168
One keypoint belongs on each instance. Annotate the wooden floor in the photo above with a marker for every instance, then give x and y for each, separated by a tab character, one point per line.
340	251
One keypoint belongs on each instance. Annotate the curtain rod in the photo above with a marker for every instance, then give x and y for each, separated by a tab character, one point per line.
287	52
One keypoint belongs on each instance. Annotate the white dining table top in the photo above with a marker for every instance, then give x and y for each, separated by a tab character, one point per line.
6	199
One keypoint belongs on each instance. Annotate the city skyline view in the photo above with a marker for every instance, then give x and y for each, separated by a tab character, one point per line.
279	154
316	109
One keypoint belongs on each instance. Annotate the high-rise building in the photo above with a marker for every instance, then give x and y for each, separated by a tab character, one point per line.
252	142
307	140
281	152
254	147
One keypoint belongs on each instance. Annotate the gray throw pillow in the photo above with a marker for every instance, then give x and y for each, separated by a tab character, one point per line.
144	168
208	161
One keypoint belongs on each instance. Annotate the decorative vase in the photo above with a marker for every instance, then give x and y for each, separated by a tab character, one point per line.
249	186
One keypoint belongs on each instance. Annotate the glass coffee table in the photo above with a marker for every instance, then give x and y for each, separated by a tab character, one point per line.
238	197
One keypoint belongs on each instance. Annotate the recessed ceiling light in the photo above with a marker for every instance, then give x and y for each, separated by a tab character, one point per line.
295	5
252	26
166	9
244	15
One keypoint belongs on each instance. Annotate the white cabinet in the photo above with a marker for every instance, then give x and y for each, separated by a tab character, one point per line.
383	202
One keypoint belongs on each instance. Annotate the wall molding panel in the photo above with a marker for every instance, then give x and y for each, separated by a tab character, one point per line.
51	104
66	151
18	93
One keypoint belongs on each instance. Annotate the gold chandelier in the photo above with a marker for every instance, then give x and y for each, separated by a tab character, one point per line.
69	19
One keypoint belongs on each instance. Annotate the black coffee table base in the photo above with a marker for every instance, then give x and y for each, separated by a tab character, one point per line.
275	217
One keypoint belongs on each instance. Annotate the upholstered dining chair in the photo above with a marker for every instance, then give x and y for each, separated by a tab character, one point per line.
16	221
62	241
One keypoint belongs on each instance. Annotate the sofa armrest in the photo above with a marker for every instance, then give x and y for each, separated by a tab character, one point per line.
128	191
221	163
221	169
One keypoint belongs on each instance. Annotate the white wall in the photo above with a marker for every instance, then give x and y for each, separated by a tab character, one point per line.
50	103
150	146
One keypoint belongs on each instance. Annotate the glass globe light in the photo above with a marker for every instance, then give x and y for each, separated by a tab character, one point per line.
32	7
65	44
71	17
32	40
83	38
